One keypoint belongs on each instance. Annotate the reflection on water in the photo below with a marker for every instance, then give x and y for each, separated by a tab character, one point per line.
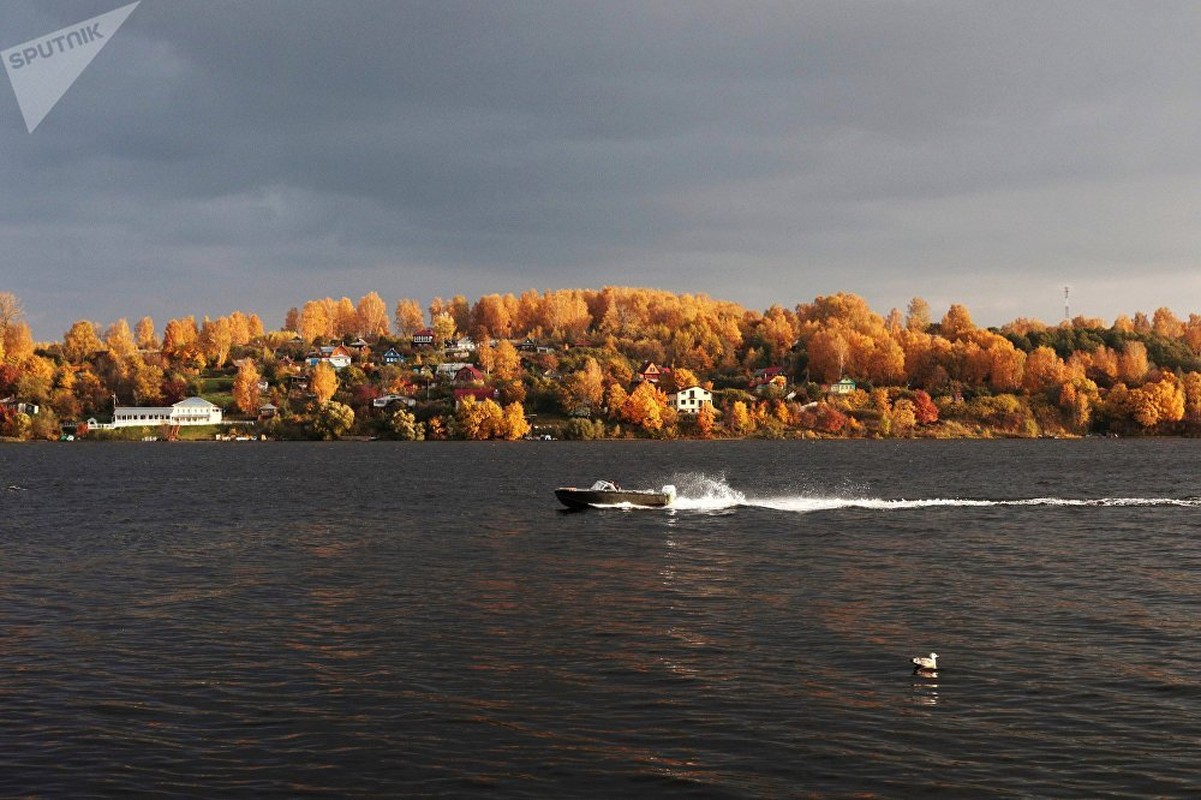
925	687
382	620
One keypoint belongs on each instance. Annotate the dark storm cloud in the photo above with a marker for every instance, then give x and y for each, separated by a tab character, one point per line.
256	154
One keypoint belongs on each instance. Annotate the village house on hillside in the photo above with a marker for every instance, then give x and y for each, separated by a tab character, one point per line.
20	407
690	400
460	348
337	356
480	393
651	372
423	337
448	370
468	375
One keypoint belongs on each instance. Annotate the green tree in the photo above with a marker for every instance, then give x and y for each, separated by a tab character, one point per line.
404	426
333	420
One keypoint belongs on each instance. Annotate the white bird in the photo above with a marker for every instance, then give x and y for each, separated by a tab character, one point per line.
926	662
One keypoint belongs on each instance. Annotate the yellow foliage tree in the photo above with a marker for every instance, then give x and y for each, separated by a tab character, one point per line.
957	322
315	321
584	391
324	382
372	315
1192	397
506	361
119	339
147	382
741	422
479	419
179	335
1158	402
216	339
144	334
409	317
444	328
646	407
18	343
514	425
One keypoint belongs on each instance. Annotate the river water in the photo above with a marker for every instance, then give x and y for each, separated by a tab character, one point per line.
393	619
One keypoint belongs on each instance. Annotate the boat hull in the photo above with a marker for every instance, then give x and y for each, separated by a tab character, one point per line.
584	498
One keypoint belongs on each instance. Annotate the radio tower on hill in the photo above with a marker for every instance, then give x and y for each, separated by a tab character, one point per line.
1067	313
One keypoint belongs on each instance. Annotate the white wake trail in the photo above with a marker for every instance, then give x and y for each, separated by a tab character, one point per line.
699	492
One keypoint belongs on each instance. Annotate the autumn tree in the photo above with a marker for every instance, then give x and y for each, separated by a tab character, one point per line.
904	416
1166	324
345	318
679	379
119	339
409	317
444	329
372	314
828	354
316	321
706	418
924	410
615	399
324	382
1133	363
957	322
647	407
1158	402
479	419
490	316
506	361
1192	396
918	318
216	339
17	344
1044	370
246	388
583	391
11	311
514	425
144	334
147	380
178	335
81	341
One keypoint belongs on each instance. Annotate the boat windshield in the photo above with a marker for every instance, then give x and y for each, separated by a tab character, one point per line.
605	486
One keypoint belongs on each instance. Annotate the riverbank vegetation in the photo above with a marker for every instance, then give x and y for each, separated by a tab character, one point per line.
611	363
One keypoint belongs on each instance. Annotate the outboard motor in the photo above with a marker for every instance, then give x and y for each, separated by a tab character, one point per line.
670	491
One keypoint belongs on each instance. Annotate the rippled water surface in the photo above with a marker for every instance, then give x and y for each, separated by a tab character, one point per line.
374	619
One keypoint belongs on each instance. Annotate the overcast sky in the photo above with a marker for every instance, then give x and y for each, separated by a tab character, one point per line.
256	154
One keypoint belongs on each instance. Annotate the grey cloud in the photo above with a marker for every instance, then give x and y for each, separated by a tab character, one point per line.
760	152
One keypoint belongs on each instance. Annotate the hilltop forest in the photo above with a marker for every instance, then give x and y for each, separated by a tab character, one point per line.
607	363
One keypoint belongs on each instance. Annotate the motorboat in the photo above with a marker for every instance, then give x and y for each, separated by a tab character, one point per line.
607	493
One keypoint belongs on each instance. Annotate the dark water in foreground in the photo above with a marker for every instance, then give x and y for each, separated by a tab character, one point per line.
366	620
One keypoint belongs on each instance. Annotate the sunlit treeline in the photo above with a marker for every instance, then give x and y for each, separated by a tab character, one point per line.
914	369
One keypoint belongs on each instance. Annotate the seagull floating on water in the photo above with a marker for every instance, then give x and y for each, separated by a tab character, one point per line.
929	662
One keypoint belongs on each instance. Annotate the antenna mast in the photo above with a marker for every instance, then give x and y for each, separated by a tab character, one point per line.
1067	314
